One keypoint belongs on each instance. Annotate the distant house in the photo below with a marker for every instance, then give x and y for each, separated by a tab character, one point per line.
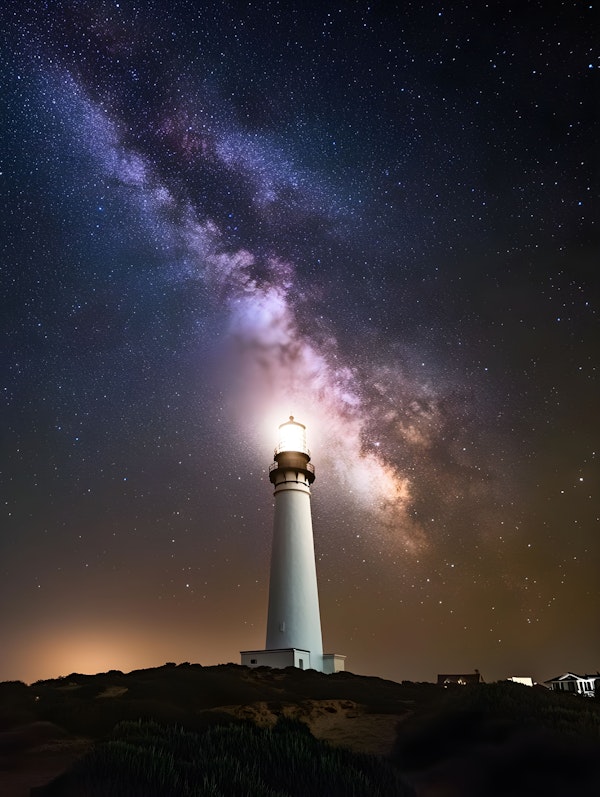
460	679
577	684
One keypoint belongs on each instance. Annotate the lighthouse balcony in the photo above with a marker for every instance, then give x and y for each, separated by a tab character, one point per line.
302	464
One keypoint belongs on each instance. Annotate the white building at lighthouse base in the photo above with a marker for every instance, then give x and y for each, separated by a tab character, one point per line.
294	657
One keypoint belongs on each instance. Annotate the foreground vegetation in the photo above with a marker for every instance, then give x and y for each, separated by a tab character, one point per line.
166	731
146	759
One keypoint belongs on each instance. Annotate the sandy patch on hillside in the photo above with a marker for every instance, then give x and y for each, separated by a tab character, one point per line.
341	722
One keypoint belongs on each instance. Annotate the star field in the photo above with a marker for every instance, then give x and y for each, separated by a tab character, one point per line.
381	221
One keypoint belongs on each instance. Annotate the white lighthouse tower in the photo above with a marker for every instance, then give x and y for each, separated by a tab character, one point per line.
294	622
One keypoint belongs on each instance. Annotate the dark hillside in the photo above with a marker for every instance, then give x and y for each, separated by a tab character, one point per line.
502	740
497	740
188	694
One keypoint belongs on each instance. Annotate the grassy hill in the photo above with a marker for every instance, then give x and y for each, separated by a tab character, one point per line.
494	739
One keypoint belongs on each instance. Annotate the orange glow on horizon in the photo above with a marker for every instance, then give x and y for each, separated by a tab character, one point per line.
55	654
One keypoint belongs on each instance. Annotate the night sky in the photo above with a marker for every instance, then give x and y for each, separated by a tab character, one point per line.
215	215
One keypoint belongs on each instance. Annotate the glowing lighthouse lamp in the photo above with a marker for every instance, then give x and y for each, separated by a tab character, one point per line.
294	622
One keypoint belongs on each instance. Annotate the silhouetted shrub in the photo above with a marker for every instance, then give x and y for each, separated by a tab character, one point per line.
17	704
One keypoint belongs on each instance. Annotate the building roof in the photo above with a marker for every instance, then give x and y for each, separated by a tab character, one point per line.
571	676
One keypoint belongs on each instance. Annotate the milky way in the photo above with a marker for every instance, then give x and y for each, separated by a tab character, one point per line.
382	223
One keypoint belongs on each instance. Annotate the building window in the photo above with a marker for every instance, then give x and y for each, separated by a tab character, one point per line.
252	661
301	663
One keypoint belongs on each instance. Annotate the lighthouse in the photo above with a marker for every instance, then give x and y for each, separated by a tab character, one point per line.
294	621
